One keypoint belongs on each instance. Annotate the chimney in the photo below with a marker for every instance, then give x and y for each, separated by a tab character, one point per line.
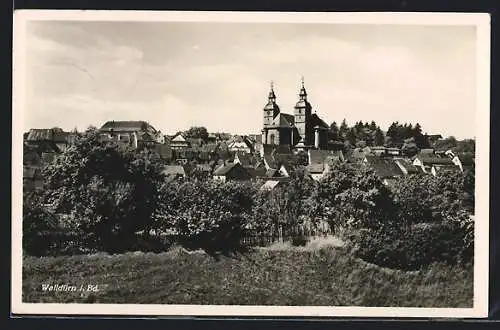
316	137
134	140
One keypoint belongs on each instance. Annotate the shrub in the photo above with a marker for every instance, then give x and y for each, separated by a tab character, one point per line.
411	247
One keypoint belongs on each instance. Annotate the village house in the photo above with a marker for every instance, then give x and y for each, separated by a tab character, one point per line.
231	172
272	184
241	143
407	166
136	134
385	168
178	142
321	162
435	164
50	140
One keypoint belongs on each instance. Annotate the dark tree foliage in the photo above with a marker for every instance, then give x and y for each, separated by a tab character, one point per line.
105	192
197	132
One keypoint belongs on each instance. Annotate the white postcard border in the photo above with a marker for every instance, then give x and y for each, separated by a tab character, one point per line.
481	274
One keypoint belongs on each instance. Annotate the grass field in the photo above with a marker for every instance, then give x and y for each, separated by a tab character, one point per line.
326	276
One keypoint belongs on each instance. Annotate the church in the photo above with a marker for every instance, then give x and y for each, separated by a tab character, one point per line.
303	130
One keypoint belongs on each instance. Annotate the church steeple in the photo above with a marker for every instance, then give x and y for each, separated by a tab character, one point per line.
302	114
302	93
271	110
272	96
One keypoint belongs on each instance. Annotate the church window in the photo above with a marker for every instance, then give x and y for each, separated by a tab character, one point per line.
272	139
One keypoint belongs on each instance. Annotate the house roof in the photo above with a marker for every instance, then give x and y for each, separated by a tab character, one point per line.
426	151
47	134
224	169
270	184
384	167
178	138
270	173
436	161
173	170
125	126
315	168
410	168
270	149
319	156
244	159
269	160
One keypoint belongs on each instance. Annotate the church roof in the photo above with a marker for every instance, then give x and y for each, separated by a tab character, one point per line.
284	120
317	121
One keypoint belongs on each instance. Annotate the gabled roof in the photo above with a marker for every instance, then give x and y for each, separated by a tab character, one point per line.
284	120
244	159
269	160
384	167
271	173
317	121
136	125
146	137
270	149
270	184
315	168
426	151
224	169
408	166
436	160
319	156
178	138
47	134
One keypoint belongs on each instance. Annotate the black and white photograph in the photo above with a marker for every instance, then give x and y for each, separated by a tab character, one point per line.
225	163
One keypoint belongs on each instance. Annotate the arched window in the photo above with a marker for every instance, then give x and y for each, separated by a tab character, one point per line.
272	139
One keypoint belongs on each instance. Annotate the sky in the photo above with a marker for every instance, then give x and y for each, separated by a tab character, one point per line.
181	74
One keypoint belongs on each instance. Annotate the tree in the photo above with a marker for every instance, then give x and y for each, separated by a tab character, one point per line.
197	132
107	192
379	138
334	132
344	129
409	147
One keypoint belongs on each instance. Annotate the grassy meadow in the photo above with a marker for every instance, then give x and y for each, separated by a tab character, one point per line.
321	276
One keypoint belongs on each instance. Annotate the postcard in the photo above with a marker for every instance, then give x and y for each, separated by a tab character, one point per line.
250	164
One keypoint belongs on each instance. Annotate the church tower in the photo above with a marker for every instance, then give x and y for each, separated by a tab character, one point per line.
271	109
302	113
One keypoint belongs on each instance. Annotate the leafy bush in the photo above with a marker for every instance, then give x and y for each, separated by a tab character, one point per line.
209	215
412	247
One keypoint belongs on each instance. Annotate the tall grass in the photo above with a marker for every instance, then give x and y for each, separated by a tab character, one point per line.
329	277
